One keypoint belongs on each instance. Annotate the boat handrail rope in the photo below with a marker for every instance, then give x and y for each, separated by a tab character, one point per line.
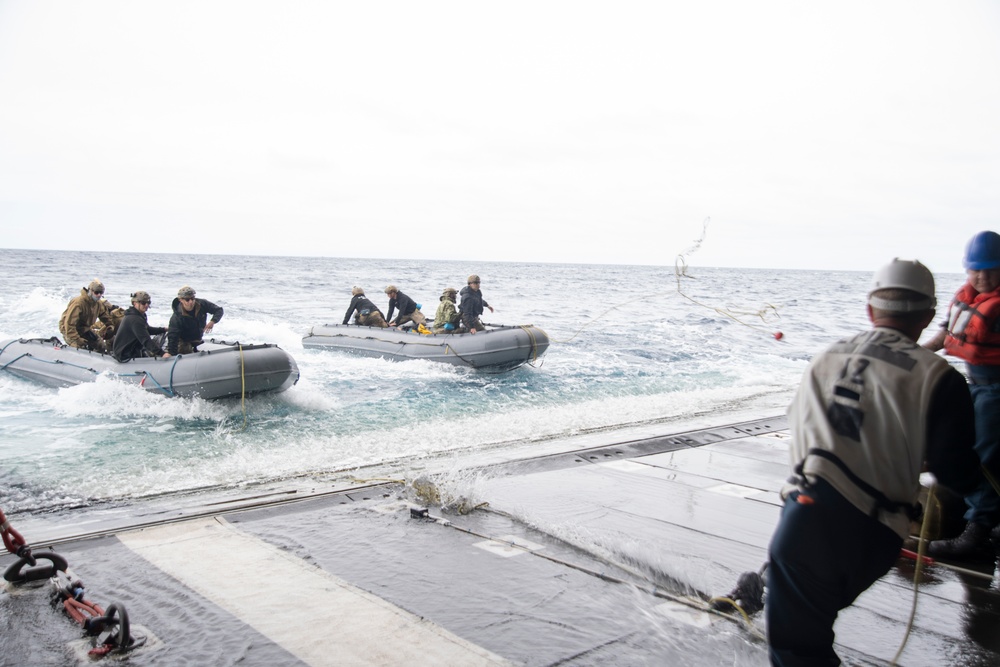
448	348
54	362
4	349
18	358
420	341
147	376
169	391
60	362
173	367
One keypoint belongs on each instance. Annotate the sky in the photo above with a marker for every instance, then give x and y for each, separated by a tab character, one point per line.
811	135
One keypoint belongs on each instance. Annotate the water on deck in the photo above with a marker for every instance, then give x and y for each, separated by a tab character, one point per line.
596	551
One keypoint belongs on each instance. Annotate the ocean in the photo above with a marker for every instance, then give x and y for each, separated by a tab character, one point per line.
631	346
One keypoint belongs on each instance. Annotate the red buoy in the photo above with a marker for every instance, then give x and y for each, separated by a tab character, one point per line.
778	335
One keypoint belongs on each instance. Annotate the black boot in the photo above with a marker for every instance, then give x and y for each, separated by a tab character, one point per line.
748	594
973	545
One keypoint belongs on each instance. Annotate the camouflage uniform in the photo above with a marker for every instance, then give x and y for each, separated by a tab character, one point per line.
77	321
446	314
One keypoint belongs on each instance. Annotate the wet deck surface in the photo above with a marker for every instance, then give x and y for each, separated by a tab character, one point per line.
596	556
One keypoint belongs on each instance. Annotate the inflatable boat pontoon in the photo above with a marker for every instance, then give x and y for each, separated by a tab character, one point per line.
217	370
496	348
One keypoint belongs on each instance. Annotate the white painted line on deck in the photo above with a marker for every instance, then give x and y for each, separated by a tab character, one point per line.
735	490
508	545
314	615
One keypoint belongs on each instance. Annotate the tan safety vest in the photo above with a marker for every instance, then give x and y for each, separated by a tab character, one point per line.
859	421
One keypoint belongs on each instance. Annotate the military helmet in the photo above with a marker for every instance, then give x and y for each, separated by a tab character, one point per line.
186	292
95	287
390	289
141	296
357	291
473	279
449	291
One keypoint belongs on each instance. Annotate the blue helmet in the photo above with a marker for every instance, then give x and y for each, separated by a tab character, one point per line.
983	252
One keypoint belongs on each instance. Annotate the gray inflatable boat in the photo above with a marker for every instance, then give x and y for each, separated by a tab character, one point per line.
219	369
496	348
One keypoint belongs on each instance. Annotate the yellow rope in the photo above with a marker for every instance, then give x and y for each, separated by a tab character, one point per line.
534	343
243	389
992	480
730	601
921	549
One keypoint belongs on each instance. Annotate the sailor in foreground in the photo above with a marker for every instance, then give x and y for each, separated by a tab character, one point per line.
870	411
972	333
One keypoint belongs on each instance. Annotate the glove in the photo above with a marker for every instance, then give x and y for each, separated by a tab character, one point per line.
448	326
107	333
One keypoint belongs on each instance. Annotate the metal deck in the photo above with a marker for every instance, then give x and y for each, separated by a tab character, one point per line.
595	555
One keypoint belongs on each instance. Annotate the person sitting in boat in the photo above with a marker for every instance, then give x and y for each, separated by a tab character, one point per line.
367	314
83	311
117	314
447	319
133	338
472	304
189	322
409	310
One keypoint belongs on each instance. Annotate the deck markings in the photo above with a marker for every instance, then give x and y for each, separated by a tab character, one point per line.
736	490
314	615
508	545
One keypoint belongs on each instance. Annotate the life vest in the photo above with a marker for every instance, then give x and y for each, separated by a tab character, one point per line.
973	319
859	422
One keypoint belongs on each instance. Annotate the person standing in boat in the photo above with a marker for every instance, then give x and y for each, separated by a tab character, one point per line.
472	304
409	310
133	338
365	312
870	412
972	333
447	319
189	322
82	312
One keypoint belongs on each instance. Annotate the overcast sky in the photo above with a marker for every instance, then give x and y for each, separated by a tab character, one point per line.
813	134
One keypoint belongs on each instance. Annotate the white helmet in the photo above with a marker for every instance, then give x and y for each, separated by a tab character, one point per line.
903	274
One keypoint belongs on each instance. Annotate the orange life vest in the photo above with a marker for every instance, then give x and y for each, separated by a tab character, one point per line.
973	323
